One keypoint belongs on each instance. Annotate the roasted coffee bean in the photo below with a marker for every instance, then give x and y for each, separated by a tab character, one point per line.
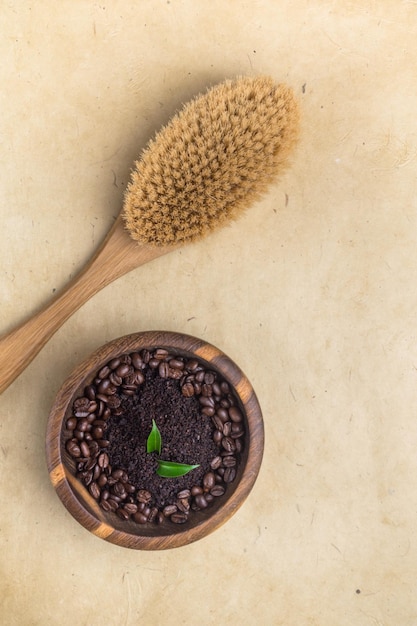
96	472
131	508
144	496
229	461
97	432
90	392
217	422
94	489
217	436
224	386
191	365
105	388
179	518
209	497
115	379
176	364
102	480
216	462
185	493
183	505
114	363
122	513
123	370
200	376
140	518
103	460
78	434
197	388
136	360
206	401
145	355
103	443
163	369
208	411
119	490
237	431
200	501
117	473
238	445
160	353
85	450
71	423
206	390
175	374
216	389
227	429
208	481
209	377
228	444
152	517
235	414
73	448
83	424
196	490
113	504
222	414
187	390
105	371
105	494
229	475
217	491
169	510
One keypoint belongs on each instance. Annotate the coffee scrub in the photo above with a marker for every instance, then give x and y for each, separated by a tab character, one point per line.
156	436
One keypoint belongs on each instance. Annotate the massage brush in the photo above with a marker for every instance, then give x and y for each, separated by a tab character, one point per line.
203	169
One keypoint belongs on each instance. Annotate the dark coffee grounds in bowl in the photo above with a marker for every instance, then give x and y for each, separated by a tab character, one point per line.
186	437
197	414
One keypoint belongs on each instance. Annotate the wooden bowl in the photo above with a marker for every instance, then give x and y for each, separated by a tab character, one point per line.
127	533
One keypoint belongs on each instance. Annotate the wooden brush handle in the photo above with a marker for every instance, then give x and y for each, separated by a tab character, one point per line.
118	255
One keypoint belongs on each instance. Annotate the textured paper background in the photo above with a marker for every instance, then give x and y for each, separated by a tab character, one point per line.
313	292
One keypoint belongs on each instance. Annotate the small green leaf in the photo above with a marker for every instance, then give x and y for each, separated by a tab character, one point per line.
169	469
154	442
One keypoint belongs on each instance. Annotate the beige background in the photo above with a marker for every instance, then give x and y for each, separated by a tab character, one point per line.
313	292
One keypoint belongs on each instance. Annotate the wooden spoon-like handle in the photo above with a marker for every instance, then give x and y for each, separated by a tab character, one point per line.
117	255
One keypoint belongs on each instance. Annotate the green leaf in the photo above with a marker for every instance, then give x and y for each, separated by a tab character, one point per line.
169	469
154	441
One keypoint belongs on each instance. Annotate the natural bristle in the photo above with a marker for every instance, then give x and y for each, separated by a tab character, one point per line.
212	160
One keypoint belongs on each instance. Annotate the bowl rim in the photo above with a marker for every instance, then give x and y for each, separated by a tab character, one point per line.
64	482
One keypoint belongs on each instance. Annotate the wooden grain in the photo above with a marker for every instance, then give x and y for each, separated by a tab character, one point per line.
118	255
108	526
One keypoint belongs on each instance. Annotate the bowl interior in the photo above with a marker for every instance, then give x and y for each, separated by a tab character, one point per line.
107	525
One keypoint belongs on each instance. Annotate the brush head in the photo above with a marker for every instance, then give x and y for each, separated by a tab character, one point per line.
212	160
